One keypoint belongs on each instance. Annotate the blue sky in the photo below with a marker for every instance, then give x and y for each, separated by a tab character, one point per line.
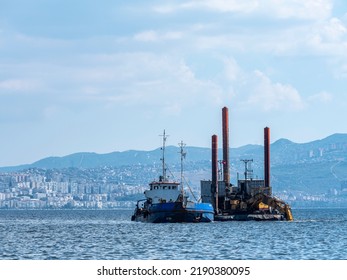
103	76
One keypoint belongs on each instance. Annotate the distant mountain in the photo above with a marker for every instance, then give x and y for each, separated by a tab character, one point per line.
283	151
131	157
328	148
318	165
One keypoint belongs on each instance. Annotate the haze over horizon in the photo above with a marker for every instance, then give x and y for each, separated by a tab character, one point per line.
86	76
337	138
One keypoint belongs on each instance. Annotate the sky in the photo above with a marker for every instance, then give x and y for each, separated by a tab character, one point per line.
111	75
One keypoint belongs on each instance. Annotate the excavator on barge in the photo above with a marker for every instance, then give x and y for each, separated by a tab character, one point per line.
250	199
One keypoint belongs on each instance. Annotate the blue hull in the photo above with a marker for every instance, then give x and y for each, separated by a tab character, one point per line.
175	212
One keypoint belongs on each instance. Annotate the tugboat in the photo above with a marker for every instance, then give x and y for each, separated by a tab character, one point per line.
166	201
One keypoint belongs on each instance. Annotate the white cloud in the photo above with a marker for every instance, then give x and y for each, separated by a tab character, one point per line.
19	85
343	71
322	97
142	79
307	29
164	9
173	109
327	33
155	36
285	9
223	5
308	9
315	32
172	35
327	37
273	96
232	70
334	30
255	91
147	36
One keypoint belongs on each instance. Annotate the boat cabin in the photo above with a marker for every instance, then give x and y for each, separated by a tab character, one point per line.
161	192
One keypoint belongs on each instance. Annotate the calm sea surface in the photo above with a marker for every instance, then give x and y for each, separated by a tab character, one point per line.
109	234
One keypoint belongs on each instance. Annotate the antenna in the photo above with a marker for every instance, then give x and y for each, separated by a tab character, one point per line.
247	170
163	157
183	156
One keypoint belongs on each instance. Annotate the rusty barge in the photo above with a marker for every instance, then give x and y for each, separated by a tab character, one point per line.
249	199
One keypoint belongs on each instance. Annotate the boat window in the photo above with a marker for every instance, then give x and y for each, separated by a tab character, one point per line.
173	187
155	187
164	187
169	187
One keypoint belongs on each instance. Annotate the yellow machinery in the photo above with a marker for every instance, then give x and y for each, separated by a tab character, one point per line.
275	203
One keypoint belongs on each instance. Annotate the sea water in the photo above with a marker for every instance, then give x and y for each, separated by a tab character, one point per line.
109	234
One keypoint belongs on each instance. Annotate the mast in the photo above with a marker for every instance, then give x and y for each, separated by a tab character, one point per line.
163	177
183	155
